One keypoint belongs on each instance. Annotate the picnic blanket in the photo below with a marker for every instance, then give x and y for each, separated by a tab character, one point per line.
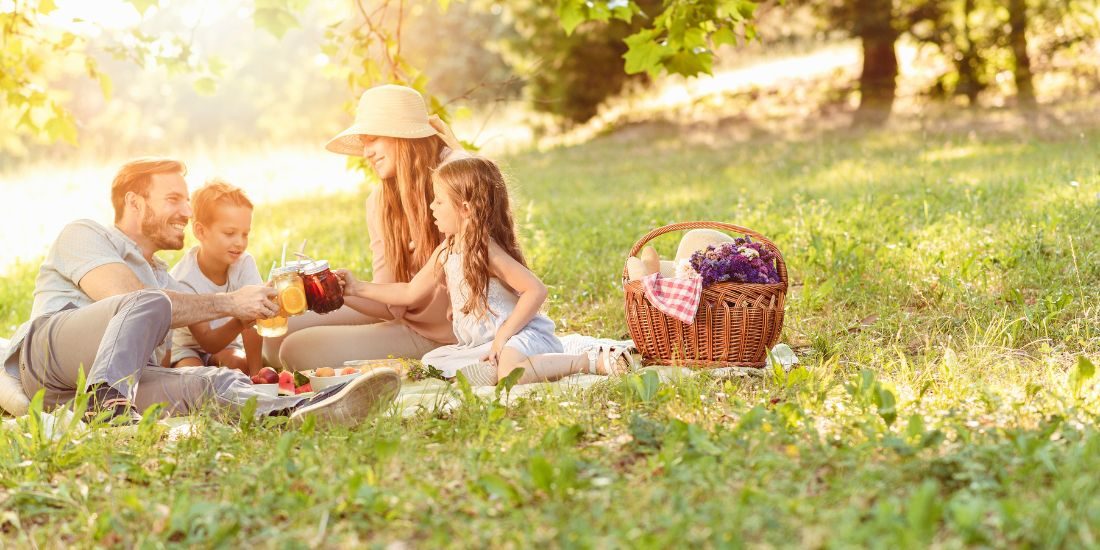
433	394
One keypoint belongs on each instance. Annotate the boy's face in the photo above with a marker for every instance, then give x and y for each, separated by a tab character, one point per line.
225	238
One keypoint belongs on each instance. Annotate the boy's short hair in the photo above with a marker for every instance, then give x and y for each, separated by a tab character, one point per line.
205	200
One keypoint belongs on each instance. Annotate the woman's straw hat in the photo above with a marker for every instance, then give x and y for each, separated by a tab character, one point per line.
390	111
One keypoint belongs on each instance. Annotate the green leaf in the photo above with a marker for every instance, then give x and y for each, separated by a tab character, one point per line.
60	126
465	388
542	473
694	38
625	12
106	86
700	441
887	405
276	21
248	415
46	6
923	510
143	5
722	36
644	54
1085	370
499	487
205	86
508	382
570	14
688	63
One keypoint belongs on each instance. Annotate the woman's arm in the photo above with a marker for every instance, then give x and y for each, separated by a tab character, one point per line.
532	293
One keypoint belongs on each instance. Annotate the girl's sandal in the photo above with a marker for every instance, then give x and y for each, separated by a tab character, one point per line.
617	360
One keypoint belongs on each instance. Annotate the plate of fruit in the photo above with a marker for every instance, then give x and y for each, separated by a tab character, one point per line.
274	383
324	377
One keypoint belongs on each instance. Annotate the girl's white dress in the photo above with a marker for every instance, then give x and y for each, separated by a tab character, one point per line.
475	335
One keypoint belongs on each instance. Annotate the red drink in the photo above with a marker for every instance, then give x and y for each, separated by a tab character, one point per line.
323	290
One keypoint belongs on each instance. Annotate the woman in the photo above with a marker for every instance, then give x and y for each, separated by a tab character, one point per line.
394	133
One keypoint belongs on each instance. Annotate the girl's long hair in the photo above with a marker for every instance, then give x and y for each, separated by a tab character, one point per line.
479	183
405	213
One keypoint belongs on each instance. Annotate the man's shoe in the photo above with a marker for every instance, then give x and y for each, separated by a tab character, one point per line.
352	402
120	411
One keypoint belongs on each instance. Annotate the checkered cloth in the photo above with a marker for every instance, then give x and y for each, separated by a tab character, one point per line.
677	297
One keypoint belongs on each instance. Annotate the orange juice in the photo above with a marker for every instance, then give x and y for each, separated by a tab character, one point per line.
270	328
291	294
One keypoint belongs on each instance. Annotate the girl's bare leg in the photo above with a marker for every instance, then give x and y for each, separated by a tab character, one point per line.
546	367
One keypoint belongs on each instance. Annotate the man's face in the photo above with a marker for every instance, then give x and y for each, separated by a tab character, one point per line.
166	211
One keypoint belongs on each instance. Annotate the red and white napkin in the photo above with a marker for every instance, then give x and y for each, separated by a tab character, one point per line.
678	297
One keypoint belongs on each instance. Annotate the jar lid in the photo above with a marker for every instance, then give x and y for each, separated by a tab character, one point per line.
315	267
284	270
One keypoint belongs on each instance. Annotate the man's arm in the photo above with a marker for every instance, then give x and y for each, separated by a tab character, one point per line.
250	302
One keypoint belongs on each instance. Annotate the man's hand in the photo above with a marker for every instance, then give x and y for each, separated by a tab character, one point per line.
253	302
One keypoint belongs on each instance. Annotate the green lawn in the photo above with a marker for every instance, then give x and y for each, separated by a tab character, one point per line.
944	296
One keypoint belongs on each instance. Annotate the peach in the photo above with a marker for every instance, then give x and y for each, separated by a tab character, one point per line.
324	372
348	370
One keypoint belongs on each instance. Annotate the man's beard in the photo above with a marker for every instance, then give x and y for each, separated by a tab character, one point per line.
157	230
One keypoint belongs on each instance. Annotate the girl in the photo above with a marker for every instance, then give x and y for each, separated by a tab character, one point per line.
495	298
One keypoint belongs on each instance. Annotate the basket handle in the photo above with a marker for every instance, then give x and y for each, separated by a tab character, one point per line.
780	263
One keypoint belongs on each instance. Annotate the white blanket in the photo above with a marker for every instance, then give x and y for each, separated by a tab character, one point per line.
12	398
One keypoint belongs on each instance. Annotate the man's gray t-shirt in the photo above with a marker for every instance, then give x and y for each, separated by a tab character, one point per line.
81	247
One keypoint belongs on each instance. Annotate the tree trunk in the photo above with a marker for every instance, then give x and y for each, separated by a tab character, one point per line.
1017	19
874	26
878	79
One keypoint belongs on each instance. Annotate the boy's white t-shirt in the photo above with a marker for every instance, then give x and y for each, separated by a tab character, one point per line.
242	273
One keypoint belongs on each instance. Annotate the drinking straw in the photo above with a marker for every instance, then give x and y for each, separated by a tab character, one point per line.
302	249
284	253
271	271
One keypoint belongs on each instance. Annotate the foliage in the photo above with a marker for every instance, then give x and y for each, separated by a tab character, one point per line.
34	53
971	34
609	44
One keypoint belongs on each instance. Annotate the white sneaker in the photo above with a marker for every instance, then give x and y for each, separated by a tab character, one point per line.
352	402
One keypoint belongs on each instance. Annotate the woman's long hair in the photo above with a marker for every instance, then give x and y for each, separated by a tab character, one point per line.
479	183
406	217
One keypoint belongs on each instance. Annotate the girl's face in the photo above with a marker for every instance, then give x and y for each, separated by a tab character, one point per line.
381	152
449	216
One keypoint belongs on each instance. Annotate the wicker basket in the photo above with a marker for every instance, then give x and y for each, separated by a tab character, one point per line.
735	326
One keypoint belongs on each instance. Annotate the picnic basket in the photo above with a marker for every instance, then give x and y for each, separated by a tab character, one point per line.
735	326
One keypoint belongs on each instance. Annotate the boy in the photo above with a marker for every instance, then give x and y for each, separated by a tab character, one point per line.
221	223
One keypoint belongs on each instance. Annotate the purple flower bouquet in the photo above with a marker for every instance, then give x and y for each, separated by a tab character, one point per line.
741	261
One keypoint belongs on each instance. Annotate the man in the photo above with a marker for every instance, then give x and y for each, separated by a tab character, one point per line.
104	303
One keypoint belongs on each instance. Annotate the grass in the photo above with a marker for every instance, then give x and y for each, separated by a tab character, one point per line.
944	302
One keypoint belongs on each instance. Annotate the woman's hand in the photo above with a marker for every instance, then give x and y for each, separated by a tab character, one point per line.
444	132
347	281
494	352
